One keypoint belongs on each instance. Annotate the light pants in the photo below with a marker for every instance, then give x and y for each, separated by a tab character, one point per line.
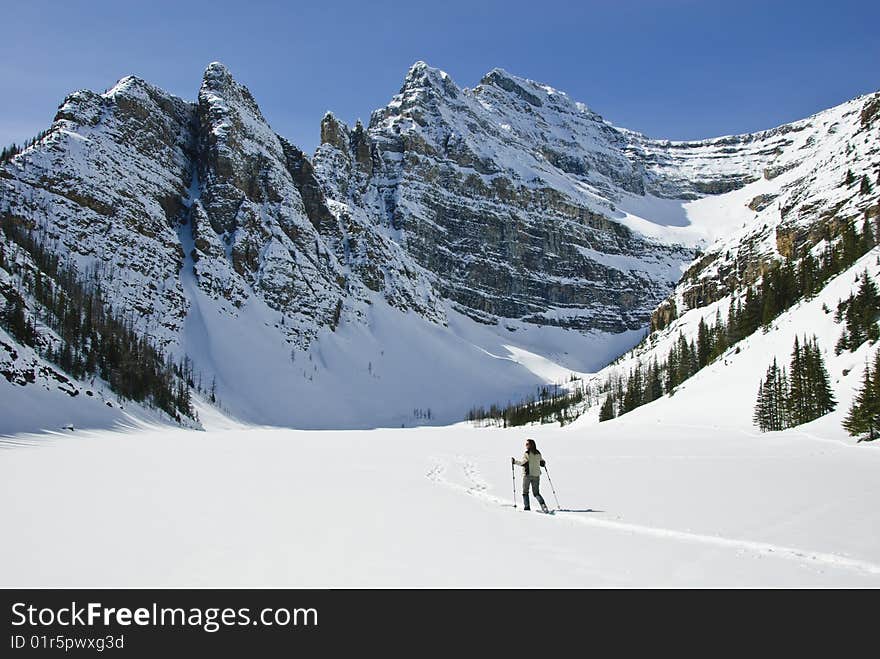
536	490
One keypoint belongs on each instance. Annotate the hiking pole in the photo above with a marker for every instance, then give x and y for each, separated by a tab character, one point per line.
558	507
513	480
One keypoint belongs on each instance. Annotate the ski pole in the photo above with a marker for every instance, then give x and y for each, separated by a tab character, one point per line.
513	480
558	507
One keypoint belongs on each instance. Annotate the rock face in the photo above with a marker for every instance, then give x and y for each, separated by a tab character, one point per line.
507	194
105	189
808	193
251	228
463	193
139	187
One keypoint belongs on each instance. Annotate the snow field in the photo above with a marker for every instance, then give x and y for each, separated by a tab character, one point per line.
644	505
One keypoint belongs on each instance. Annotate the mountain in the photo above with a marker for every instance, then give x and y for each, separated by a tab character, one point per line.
799	243
464	247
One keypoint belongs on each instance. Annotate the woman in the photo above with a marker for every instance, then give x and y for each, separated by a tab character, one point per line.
531	463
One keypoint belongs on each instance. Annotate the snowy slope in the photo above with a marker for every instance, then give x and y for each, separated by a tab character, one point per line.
722	395
646	505
387	368
53	401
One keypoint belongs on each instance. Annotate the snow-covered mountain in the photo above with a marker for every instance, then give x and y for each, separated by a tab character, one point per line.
821	191
465	246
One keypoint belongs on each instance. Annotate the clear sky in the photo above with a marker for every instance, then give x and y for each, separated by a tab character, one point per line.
679	69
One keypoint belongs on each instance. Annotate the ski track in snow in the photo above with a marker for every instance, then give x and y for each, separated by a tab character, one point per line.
479	488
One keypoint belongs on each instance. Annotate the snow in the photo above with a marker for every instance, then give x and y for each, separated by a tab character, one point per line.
659	269
737	374
28	408
646	504
376	370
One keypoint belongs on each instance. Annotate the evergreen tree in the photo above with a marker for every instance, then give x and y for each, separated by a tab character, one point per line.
632	398
807	275
654	386
860	312
733	322
606	413
672	368
849	242
798	386
759	418
784	412
750	318
770	407
864	414
704	344
865	187
822	400
718	336
808	392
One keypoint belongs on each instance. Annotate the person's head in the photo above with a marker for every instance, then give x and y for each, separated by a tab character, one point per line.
531	447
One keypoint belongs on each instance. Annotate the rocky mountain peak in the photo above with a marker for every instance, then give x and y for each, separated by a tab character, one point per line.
503	80
219	88
129	85
335	133
425	79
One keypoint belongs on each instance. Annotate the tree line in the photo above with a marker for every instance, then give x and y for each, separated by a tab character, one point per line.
9	152
782	285
94	340
550	404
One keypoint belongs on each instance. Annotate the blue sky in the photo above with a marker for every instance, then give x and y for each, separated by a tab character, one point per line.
679	69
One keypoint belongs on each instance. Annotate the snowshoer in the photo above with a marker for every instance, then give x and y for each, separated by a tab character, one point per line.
531	463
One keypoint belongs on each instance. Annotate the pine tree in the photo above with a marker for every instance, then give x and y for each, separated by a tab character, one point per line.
750	318
807	275
633	396
704	344
684	359
733	321
654	386
672	368
769	301
798	386
822	400
849	242
807	393
783	401
860	312
606	413
718	337
770	407
864	414
865	187
759	418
